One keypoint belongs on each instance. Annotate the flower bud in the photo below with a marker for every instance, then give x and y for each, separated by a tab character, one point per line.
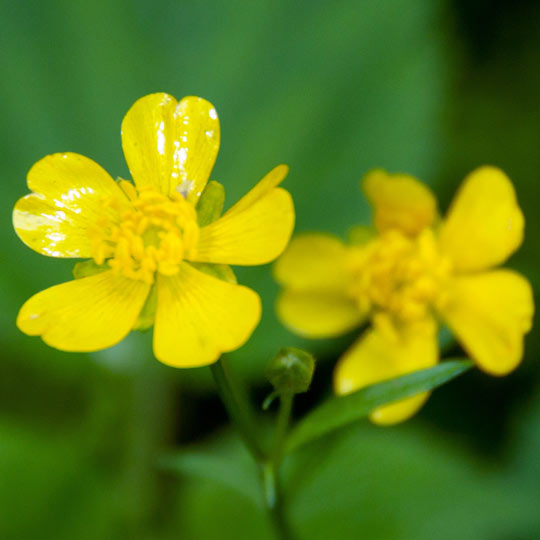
291	371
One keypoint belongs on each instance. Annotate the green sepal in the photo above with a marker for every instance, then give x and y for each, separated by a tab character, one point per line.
210	203
221	271
291	371
360	235
146	317
88	268
445	338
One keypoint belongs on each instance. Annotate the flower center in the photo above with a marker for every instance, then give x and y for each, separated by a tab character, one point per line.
398	279
154	235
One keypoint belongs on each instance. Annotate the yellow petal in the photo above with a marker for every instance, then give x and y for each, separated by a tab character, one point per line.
490	312
313	261
169	145
375	357
484	225
199	317
399	202
69	190
86	314
269	181
255	230
318	314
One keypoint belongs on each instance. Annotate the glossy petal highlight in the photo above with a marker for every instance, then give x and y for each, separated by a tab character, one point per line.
69	190
86	314
490	313
376	357
484	225
318	314
399	202
313	261
169	145
199	317
255	230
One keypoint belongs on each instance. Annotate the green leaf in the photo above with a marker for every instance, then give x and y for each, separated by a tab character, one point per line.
237	475
212	511
223	460
218	474
211	203
341	411
407	482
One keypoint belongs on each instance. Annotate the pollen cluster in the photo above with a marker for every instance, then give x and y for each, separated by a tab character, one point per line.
154	235
398	279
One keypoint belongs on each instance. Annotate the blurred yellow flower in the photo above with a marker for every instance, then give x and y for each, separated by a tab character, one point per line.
408	274
154	260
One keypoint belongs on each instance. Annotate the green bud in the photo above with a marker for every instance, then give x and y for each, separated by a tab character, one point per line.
291	371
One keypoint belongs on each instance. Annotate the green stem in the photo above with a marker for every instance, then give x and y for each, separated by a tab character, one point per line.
239	409
270	471
243	417
274	502
284	417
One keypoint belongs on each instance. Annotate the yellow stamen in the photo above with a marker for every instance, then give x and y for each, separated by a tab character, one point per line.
153	236
398	279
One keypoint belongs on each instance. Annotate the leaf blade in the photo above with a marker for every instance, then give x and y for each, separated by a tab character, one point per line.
234	472
341	411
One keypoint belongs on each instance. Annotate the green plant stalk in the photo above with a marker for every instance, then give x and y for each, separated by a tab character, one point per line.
270	472
239	409
242	415
284	417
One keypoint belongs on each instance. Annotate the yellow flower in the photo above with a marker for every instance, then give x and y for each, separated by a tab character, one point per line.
409	274
155	258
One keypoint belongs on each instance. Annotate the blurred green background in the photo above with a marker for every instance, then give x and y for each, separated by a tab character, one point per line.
433	88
